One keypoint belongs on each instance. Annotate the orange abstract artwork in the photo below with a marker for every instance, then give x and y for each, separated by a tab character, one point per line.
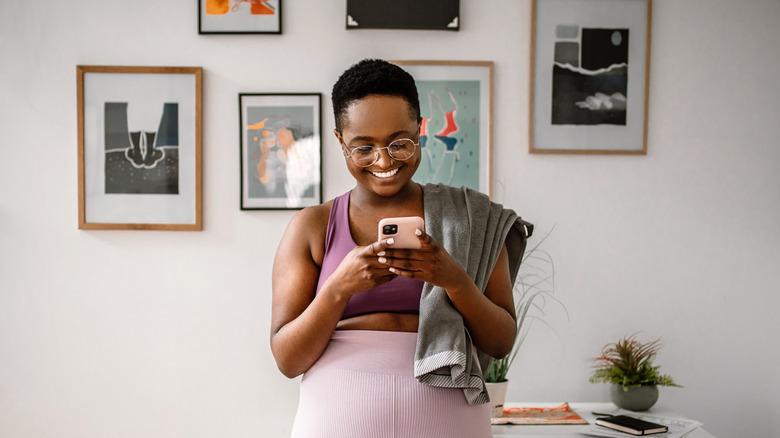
261	8
217	7
222	7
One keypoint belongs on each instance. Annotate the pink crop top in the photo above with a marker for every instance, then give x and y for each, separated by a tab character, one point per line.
400	295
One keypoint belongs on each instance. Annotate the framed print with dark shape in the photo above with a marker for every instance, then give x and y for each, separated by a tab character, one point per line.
239	16
139	147
590	61
281	150
455	134
403	14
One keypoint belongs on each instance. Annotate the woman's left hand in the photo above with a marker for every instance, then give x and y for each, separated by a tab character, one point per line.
431	263
488	315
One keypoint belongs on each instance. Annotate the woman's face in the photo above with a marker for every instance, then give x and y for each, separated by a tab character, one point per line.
377	120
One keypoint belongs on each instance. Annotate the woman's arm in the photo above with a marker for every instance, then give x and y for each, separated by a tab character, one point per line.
302	323
300	327
489	317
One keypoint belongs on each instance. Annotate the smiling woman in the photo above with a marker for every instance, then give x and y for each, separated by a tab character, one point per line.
368	324
373	122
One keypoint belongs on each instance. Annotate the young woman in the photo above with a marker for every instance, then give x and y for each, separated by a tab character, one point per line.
347	306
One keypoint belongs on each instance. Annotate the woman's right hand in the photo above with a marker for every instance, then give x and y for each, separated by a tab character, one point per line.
360	270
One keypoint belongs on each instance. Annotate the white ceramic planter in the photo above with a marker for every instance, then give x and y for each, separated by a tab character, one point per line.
497	394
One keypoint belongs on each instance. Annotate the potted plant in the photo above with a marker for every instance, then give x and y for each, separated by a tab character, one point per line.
628	366
533	288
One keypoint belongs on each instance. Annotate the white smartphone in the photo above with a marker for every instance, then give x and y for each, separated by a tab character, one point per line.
402	230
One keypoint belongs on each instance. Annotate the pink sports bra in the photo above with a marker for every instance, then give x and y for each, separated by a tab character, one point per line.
400	295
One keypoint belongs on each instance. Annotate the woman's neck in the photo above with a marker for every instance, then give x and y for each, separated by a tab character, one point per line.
408	198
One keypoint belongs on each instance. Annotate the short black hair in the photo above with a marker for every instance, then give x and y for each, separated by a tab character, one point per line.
373	76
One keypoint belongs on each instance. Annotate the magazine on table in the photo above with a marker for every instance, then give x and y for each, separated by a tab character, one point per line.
539	415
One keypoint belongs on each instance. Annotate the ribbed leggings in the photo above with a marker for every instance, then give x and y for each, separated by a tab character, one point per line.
363	386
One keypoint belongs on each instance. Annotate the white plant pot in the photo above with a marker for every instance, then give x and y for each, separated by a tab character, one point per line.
497	394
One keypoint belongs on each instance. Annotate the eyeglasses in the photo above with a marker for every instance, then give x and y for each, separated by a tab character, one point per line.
364	156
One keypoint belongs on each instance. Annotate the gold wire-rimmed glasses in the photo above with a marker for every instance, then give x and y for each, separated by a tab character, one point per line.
364	156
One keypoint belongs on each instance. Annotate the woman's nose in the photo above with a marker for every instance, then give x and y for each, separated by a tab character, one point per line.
385	160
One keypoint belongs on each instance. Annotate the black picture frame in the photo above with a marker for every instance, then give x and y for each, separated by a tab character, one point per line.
239	17
280	150
403	14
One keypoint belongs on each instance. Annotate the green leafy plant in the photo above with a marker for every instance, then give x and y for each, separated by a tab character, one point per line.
533	289
629	363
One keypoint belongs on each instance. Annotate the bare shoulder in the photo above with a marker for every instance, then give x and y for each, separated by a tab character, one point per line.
306	232
311	220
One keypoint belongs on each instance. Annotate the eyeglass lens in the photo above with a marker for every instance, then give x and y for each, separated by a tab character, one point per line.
365	156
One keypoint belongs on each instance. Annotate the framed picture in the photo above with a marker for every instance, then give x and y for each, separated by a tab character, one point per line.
281	150
590	61
239	16
403	14
456	100
139	135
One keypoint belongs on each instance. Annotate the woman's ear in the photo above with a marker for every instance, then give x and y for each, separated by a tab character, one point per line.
338	136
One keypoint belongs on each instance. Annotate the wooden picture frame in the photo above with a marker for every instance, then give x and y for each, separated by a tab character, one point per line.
590	65
139	147
239	17
456	103
281	150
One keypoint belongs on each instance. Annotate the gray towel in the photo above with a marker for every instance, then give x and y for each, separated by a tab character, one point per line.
473	230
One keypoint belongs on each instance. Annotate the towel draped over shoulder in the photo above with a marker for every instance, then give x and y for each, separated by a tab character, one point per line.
473	229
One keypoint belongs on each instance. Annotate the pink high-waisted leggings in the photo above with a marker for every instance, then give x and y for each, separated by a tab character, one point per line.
363	386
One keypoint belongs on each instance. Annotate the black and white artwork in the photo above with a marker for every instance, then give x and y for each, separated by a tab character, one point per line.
139	147
590	61
590	76
140	160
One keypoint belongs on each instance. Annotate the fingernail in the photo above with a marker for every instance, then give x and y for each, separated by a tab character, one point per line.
390	241
382	260
418	232
392	270
380	253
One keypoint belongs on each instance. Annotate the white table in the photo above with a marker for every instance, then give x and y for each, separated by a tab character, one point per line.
584	410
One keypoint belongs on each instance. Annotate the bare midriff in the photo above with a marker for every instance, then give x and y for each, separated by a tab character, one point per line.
383	321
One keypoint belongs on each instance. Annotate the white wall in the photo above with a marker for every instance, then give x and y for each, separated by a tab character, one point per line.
681	243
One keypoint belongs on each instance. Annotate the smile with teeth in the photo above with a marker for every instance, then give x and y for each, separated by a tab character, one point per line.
387	174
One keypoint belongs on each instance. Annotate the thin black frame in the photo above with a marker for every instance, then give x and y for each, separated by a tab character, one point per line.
237	32
243	159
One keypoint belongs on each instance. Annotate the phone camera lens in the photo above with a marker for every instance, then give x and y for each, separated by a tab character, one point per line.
390	229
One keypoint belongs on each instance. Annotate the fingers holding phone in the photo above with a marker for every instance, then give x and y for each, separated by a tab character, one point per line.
415	254
403	230
404	236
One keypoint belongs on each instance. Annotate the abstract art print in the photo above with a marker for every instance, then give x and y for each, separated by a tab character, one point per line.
281	150
455	105
139	147
239	16
589	70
